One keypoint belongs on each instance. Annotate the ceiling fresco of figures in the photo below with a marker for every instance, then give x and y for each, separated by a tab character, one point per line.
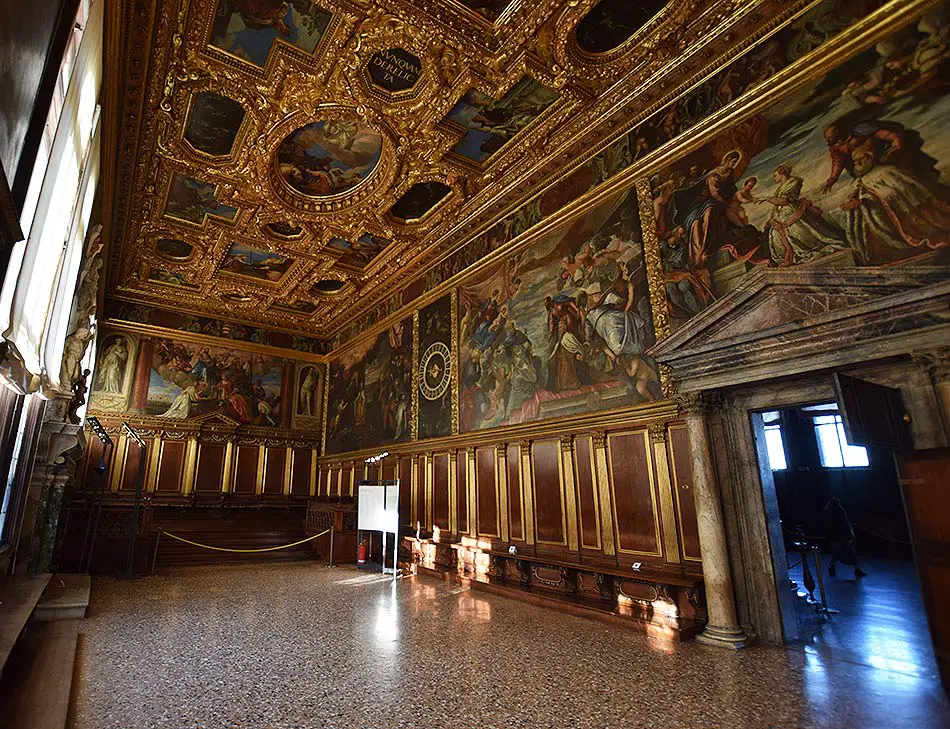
290	164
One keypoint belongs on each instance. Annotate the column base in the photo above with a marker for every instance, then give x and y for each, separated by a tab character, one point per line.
719	637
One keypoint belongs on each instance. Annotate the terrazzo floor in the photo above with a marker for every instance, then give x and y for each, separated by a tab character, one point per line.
300	645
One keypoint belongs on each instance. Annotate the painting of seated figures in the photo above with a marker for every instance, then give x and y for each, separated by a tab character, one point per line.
560	327
852	170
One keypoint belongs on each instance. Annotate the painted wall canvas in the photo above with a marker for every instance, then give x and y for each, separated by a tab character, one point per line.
853	170
436	377
193	201
189	380
419	199
214	123
249	29
260	263
561	327
369	402
329	157
490	123
308	396
359	253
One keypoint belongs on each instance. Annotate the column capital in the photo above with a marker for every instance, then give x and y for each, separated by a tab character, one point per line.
698	404
501	449
657	432
936	362
525	447
471	451
599	439
567	444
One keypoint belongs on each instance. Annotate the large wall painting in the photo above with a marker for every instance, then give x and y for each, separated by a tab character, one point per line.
369	399
329	157
308	396
853	170
436	378
561	327
189	380
489	124
249	28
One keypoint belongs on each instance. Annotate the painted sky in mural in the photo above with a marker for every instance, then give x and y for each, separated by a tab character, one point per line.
370	392
852	170
561	327
248	28
189	380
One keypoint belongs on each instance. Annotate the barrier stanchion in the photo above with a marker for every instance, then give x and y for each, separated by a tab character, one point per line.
823	605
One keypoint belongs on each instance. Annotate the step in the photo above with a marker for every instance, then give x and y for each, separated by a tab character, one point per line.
66	598
36	691
18	598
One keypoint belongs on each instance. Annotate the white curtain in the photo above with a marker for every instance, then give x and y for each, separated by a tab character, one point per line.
38	289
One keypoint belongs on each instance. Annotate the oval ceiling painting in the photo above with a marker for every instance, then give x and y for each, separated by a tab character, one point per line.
610	22
327	287
329	157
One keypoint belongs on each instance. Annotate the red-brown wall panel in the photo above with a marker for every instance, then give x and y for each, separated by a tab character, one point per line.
300	472
683	487
245	469
274	470
210	471
461	491
440	490
405	493
549	515
586	493
94	479
486	493
630	468
170	466
130	472
515	518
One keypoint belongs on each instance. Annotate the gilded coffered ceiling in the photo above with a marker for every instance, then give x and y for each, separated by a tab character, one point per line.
287	163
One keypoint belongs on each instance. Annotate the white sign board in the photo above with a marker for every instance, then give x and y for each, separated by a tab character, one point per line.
378	508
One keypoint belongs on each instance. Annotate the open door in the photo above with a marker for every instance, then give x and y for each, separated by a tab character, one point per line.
925	486
873	415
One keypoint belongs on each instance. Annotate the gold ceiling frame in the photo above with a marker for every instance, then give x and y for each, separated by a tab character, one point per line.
151	330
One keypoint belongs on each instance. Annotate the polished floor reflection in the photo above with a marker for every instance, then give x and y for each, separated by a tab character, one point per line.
300	645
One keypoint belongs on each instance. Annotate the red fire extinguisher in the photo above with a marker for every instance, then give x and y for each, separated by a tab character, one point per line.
361	552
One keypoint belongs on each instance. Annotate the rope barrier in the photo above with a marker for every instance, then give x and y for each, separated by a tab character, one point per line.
243	551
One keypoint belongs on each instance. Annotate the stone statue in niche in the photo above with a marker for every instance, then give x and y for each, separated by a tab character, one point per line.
82	323
73	352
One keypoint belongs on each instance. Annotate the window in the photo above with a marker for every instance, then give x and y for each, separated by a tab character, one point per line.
774	441
833	446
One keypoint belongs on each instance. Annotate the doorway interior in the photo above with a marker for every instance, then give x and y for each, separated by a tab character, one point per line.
855	600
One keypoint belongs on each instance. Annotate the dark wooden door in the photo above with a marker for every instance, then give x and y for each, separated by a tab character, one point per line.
925	485
873	415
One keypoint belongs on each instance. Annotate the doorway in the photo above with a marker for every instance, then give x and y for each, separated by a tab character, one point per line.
850	565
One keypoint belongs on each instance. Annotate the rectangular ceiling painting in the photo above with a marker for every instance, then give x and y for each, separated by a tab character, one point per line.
249	29
561	327
852	170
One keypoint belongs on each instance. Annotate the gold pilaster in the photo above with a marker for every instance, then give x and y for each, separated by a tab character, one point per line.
569	490
314	473
228	467
453	492
664	484
599	442
527	491
472	492
501	485
430	477
154	457
261	458
191	462
121	452
414	487
288	471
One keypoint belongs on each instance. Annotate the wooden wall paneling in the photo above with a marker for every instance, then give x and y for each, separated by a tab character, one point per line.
501	488
171	464
405	491
416	518
246	469
351	479
118	462
95	481
301	462
527	491
428	489
550	519
631	476
664	487
453	493
461	491
440	490
130	466
588	503
389	470
191	459
515	499
471	483
569	487
209	467
682	473
151	468
486	490
275	460
604	493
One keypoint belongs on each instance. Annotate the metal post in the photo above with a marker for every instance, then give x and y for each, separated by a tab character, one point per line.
332	532
136	507
158	538
823	605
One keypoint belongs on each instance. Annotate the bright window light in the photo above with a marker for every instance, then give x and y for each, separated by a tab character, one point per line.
776	448
833	446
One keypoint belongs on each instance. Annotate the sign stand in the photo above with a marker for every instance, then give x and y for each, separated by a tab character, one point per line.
378	511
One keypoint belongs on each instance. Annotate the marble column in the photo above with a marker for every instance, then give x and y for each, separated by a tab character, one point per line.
140	380
722	626
937	364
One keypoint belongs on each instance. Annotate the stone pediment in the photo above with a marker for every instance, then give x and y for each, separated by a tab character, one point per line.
778	322
215	419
